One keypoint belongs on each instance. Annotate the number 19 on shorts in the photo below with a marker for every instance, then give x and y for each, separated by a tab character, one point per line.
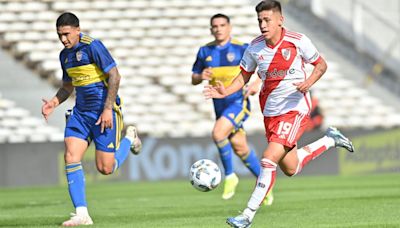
284	128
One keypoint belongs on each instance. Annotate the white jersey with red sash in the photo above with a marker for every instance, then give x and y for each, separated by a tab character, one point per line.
280	67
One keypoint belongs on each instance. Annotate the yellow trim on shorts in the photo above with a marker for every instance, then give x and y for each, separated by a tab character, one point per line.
241	114
119	125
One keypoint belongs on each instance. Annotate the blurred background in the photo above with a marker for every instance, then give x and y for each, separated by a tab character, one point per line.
155	44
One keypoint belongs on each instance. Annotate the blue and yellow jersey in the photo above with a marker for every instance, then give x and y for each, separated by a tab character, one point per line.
224	62
86	65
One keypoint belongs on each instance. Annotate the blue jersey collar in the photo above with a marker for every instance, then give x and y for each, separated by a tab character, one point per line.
225	45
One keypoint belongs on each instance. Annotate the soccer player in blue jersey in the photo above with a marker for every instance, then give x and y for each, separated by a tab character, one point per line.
89	69
219	61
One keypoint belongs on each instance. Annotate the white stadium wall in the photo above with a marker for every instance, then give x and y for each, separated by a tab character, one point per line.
373	26
27	164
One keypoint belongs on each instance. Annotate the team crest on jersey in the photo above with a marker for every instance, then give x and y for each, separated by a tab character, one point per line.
209	58
286	53
79	56
230	56
66	60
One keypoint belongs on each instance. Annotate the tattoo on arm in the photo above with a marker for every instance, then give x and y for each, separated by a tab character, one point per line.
113	86
62	95
320	70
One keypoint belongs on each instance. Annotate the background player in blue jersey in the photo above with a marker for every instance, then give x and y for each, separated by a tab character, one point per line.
219	61
89	69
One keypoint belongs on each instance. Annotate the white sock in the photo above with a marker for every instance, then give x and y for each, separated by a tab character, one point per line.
249	213
264	184
82	211
313	150
130	139
232	175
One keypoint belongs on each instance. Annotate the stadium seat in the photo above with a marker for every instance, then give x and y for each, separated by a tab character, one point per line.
155	44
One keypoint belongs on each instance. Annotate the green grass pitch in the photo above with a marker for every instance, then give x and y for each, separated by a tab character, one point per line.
328	201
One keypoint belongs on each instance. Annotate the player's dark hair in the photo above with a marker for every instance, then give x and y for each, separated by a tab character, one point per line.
220	15
269	5
67	19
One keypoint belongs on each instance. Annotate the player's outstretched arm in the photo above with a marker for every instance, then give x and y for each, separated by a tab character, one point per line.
106	118
318	71
220	91
62	94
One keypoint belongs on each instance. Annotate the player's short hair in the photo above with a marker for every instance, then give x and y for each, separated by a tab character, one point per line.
67	19
269	5
220	15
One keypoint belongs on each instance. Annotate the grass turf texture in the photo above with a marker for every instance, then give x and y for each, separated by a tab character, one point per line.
328	201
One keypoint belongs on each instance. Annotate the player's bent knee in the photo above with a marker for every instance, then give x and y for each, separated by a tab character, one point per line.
70	158
218	136
289	172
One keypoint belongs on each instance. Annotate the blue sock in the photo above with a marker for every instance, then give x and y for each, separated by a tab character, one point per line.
76	184
122	153
225	153
252	163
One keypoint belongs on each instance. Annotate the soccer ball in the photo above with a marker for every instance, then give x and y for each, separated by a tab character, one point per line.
205	175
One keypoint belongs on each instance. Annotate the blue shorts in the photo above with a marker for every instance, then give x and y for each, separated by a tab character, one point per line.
82	124
235	112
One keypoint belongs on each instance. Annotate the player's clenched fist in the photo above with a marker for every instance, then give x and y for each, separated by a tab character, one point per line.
206	74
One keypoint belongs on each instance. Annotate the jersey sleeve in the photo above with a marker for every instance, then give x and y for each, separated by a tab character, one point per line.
198	65
308	51
248	63
65	76
101	56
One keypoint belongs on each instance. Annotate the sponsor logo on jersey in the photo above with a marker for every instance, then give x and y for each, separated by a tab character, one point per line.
261	185
209	58
79	56
230	56
286	53
260	58
279	73
110	146
66	60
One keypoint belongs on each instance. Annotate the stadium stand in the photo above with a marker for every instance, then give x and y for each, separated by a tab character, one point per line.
17	125
155	43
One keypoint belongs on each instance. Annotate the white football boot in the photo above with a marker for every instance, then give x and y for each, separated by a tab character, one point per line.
131	134
78	220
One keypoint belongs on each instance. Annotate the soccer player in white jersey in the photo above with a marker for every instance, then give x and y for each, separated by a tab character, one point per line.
280	56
